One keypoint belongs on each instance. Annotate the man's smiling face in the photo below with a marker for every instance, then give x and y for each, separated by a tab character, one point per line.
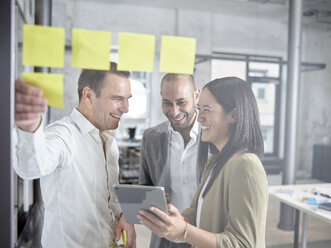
112	103
178	103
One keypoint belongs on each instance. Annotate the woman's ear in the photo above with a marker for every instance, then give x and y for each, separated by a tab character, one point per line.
233	115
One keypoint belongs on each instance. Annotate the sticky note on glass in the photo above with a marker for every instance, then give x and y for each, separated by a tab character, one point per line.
90	49
177	54
43	46
51	84
136	52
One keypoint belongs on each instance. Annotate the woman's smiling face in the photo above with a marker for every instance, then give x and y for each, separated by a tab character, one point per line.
215	122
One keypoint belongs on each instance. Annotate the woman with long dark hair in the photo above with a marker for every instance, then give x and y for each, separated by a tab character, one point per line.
229	208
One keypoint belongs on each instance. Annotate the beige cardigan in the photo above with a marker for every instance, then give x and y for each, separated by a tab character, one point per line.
235	207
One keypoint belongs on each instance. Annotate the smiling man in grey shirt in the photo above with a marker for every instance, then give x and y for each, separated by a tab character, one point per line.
169	150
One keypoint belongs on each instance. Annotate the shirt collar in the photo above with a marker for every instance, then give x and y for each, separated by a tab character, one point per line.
84	124
87	127
195	130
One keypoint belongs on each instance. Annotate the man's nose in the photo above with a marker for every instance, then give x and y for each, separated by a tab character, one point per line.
175	110
124	106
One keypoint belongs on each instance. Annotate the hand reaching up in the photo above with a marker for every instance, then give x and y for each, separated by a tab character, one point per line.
29	105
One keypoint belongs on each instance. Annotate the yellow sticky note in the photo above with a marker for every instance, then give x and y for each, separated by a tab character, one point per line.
51	84
177	54
136	52
43	46
124	237
90	49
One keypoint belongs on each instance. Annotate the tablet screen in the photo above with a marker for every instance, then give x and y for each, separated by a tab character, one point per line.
132	198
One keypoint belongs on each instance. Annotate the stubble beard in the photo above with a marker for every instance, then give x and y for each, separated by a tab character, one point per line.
188	119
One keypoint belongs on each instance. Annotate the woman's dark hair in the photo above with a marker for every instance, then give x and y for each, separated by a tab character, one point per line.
245	134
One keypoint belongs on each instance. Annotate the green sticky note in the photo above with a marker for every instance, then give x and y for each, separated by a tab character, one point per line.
136	52
177	54
43	46
90	49
51	84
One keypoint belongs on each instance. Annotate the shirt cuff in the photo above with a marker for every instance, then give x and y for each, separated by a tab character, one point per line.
26	159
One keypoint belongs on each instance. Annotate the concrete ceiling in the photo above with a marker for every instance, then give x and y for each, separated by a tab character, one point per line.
318	11
244	7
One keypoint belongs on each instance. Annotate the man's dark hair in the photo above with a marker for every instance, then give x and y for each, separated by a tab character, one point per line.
94	79
245	134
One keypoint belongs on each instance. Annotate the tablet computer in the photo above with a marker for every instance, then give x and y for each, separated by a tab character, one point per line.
133	198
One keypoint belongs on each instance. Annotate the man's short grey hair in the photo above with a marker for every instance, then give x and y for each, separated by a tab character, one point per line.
171	77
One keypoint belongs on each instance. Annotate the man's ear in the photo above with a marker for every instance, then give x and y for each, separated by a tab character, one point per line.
233	115
88	95
197	94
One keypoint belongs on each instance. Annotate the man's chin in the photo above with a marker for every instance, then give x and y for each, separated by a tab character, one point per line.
113	126
179	125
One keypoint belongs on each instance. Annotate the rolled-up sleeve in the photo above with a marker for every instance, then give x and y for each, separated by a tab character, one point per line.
40	153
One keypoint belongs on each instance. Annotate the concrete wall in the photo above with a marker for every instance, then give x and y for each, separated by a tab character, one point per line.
315	94
222	32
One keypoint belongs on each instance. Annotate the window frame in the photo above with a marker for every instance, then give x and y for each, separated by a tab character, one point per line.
248	59
277	82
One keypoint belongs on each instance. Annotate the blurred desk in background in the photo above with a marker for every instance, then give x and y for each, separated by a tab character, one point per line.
296	196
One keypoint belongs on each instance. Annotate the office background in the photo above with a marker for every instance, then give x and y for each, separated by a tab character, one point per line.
247	38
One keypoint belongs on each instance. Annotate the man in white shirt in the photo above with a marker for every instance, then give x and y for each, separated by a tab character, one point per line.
169	150
76	159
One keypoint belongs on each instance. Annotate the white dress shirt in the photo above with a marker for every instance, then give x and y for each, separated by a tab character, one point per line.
184	174
76	180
